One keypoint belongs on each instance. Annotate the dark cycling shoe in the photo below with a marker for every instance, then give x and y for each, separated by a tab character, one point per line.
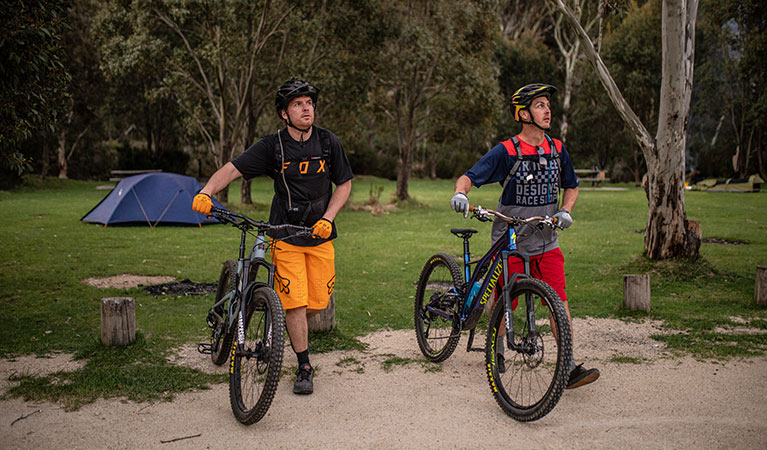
580	377
303	384
500	363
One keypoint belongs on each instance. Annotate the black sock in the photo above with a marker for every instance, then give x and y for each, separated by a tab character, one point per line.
303	358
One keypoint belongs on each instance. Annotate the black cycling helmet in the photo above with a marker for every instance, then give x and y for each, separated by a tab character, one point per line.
525	95
291	89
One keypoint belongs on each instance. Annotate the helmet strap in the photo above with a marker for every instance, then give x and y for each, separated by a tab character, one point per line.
532	122
290	124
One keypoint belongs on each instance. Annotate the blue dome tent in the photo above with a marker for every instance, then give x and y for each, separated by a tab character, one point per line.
152	199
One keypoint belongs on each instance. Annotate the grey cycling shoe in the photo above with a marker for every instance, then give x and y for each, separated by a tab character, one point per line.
303	384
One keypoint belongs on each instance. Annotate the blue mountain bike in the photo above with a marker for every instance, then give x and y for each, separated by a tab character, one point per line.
527	350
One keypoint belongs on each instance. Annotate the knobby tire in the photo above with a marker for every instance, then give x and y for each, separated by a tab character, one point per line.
533	383
221	346
255	368
438	286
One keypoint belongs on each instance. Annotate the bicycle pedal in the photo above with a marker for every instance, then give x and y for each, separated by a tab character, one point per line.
205	349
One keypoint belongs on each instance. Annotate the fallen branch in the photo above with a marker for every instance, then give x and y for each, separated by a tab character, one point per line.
180	439
24	417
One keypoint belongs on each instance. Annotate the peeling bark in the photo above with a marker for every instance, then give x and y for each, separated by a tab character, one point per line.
667	234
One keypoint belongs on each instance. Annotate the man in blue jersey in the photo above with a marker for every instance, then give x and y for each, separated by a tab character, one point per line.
531	167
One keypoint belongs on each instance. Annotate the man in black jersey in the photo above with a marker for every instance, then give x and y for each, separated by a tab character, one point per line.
304	161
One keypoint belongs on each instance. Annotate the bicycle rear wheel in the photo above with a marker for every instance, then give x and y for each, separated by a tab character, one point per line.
536	373
437	324
257	362
221	337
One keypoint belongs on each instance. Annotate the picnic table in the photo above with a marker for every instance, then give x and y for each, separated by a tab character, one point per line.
595	175
118	175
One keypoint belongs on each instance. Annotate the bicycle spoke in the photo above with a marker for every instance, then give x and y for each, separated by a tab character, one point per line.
536	368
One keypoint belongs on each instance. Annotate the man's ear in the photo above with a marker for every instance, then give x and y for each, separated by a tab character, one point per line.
524	115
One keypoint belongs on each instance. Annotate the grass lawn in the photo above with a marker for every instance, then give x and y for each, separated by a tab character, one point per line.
45	252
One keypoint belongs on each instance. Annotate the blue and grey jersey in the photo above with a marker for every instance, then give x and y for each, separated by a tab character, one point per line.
532	190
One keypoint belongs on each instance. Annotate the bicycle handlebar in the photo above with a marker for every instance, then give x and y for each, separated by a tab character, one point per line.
482	214
242	221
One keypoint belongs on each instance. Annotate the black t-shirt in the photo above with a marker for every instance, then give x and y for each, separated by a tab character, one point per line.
302	197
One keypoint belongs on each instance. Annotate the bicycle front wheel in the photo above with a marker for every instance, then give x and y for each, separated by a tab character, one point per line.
437	324
257	362
221	337
528	381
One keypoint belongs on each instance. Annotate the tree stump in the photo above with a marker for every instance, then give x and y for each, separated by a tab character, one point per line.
636	292
118	321
324	319
760	290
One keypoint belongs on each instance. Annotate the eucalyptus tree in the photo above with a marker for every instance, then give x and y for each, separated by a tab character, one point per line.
569	47
735	82
216	63
85	87
632	50
667	234
441	49
33	79
133	52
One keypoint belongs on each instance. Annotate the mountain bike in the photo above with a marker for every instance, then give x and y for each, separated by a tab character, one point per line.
246	306
527	351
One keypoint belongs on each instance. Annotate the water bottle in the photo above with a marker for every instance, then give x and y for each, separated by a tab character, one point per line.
259	248
472	294
512	238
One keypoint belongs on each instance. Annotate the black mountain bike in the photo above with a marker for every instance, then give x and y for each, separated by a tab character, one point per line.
527	350
246	306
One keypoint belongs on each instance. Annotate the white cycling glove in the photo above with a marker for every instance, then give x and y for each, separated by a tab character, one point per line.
460	203
564	219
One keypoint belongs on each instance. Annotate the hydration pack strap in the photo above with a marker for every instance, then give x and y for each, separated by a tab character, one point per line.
513	144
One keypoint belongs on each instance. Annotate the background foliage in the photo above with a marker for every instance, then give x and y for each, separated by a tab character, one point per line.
420	84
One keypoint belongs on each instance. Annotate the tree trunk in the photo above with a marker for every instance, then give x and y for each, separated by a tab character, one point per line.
760	287
325	319
405	142
636	292
245	196
667	234
62	154
118	321
46	159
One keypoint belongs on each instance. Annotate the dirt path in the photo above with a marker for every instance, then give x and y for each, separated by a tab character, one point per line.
663	402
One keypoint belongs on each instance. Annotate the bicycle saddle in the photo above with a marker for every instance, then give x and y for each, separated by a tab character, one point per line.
463	232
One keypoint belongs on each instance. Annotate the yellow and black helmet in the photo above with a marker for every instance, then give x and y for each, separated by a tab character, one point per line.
525	95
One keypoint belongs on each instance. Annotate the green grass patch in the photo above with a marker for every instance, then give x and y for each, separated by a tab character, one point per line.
136	372
622	359
45	252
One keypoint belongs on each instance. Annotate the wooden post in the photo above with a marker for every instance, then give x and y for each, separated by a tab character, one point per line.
118	321
760	290
636	292
325	319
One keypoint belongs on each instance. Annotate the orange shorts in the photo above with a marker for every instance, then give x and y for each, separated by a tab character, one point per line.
305	276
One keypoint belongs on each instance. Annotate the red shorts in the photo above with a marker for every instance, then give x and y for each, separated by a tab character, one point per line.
548	267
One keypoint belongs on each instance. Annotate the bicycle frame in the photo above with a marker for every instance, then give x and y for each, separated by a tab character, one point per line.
239	296
247	270
497	261
494	263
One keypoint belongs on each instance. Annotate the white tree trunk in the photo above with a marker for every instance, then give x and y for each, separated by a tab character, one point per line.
667	235
667	232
